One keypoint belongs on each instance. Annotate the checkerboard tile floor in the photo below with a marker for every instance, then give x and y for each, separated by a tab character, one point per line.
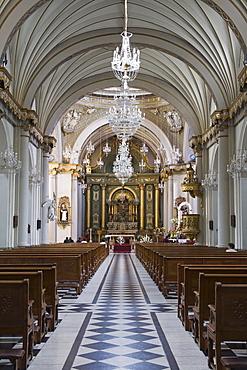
120	321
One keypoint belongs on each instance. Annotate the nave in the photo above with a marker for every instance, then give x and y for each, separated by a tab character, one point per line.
119	321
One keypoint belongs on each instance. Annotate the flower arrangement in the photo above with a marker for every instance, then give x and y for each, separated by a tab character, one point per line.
146	239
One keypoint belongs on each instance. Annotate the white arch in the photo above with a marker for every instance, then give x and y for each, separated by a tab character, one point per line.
85	134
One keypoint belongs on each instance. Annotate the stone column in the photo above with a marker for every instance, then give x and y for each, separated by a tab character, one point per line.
88	206
223	191
24	192
165	202
199	201
157	206
142	187
45	198
170	201
74	206
103	211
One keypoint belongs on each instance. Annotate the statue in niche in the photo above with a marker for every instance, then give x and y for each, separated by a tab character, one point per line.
122	207
63	213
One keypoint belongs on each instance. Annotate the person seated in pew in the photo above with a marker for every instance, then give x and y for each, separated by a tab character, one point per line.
71	240
79	240
231	248
66	240
166	239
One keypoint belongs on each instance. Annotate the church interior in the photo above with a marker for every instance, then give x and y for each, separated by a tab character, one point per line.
123	127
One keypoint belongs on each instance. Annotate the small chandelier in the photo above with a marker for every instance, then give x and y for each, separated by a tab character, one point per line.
86	161
142	164
9	160
106	149
100	162
211	179
238	163
90	148
83	186
125	64
157	161
161	186
144	149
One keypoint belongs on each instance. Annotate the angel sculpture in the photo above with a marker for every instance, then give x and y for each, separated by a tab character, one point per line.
51	205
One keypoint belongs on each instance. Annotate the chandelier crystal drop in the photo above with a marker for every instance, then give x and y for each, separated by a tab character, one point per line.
9	160
126	63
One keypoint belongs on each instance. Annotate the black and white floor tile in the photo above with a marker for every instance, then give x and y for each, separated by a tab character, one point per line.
120	321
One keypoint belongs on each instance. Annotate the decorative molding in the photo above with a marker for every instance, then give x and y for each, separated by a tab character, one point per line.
226	18
242	78
74	169
5	78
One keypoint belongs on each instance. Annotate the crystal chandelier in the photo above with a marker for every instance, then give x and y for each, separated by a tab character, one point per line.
238	163
161	186
122	166
142	164
90	148
126	64
157	161
144	149
83	186
106	149
86	161
100	162
211	179
124	118
9	160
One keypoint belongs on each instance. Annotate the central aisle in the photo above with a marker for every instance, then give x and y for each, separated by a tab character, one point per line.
120	321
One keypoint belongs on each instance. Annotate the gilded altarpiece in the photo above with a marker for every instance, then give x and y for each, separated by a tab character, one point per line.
116	209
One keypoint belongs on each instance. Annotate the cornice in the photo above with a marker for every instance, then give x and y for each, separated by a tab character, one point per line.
74	169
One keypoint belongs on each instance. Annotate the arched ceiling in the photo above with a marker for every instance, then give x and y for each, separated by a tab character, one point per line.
58	51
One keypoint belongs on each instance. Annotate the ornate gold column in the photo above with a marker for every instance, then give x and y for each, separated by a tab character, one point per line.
156	206
103	211
88	206
142	186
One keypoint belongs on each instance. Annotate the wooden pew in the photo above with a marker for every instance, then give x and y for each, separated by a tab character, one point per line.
191	284
69	271
234	362
16	319
36	293
91	257
206	295
227	321
49	282
166	272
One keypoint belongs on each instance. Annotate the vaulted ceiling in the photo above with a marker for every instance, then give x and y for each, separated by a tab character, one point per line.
58	51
